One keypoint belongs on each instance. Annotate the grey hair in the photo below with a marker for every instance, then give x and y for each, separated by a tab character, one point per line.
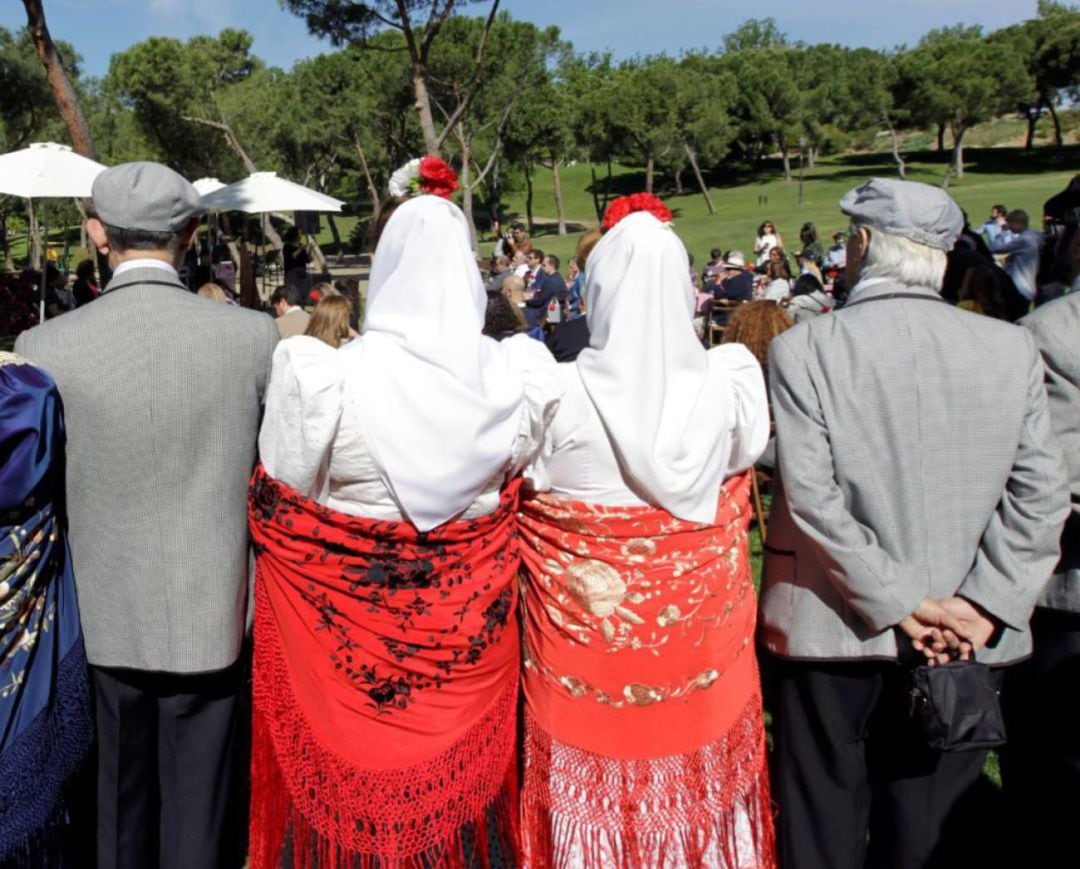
901	260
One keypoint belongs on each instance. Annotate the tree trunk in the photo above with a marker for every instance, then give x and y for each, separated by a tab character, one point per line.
233	142
33	236
678	181
1032	120
941	137
900	167
811	157
373	188
423	111
784	156
528	195
466	183
607	186
5	242
1057	129
556	183
596	193
67	101
339	256
958	150
700	180
650	169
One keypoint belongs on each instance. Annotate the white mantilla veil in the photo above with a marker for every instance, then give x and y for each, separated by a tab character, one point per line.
661	401
441	409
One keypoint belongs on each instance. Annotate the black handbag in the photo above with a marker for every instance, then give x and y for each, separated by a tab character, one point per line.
955	706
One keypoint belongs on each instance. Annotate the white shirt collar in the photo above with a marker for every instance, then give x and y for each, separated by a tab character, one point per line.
145	263
292	308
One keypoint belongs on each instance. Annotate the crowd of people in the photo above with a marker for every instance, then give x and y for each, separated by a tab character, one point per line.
503	610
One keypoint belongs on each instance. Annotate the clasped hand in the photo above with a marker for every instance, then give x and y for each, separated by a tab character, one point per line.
948	629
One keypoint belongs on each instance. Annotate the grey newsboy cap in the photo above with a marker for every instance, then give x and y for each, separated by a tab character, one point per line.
145	196
908	209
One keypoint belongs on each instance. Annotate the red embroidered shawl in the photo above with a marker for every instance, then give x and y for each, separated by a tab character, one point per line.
644	739
385	679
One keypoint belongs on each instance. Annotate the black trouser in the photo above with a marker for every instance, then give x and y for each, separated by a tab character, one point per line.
167	789
854	785
1041	763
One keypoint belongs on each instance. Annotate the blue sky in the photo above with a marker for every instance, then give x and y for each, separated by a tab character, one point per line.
97	28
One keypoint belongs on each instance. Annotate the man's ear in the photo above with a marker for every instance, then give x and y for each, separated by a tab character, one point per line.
863	242
187	237
95	231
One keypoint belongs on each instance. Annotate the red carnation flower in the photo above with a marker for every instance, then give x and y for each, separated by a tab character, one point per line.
625	205
437	178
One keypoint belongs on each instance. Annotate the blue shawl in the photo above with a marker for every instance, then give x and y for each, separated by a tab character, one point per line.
45	723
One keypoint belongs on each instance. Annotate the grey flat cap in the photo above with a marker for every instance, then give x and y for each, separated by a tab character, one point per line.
908	209
145	196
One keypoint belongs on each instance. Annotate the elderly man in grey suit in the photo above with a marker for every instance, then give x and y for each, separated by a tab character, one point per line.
162	394
1041	765
920	500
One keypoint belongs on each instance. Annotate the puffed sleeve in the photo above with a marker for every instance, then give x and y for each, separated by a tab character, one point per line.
748	401
537	371
303	407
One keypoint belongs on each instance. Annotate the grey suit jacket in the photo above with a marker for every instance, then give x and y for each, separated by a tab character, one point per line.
1056	328
916	460
162	395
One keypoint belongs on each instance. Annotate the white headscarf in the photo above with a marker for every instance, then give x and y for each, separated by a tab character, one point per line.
440	409
661	402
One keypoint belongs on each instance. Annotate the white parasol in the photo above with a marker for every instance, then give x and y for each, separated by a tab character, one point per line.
46	170
206	185
261	192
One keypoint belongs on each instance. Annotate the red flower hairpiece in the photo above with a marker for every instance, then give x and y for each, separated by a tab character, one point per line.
437	178
427	175
625	205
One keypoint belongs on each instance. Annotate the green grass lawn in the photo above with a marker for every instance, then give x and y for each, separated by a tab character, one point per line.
1008	175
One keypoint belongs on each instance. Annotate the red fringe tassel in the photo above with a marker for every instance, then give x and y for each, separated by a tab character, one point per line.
710	807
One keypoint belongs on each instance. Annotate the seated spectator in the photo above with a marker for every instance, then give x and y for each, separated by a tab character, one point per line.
513	289
737	283
1022	246
960	261
212	292
982	292
808	299
350	289
714	268
836	256
547	288
330	321
287	302
500	270
778	277
519	240
58	298
294	257
502	319
535	260
693	274
767	239
995	224
811	245
85	289
519	263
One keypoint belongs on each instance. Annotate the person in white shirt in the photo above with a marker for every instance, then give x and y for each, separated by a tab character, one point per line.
1022	246
637	583
401	452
